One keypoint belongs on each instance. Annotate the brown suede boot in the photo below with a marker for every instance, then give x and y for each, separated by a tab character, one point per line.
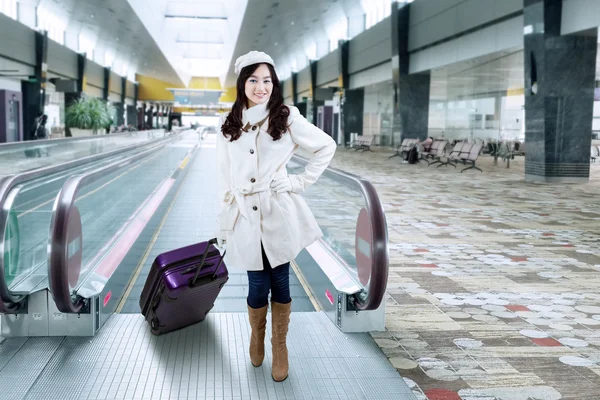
280	318
258	323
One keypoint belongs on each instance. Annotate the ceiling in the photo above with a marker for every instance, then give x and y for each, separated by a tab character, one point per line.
174	40
113	26
284	29
196	36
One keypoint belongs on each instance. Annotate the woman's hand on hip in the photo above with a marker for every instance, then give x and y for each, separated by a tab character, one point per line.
282	185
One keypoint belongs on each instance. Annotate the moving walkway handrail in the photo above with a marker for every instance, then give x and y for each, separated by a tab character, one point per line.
16	146
58	278
379	247
10	303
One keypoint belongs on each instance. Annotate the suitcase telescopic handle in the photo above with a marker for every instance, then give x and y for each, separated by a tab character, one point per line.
210	243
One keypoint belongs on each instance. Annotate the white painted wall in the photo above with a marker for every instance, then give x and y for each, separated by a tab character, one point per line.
62	60
328	68
17	41
93	91
371	47
115	83
505	36
94	74
371	76
10	84
434	20
303	80
579	15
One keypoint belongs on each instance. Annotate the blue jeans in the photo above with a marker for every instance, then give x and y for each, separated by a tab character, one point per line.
277	280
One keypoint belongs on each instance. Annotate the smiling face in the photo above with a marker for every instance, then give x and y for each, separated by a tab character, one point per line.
259	86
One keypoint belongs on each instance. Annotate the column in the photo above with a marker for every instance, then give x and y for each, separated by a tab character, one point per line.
294	88
106	87
352	101
134	121
34	89
74	96
314	64
71	97
411	91
559	96
121	106
149	114
141	116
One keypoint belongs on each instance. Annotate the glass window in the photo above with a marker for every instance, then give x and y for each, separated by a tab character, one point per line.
86	45
311	51
336	32
109	59
55	26
9	8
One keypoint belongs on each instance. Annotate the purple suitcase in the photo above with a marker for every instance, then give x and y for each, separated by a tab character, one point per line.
182	286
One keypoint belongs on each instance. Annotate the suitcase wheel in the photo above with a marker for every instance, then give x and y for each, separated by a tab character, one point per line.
207	311
221	285
154	324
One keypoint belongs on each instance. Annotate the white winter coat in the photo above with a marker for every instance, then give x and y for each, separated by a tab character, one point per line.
250	212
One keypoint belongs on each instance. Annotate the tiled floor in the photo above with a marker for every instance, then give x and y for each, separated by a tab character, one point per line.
494	287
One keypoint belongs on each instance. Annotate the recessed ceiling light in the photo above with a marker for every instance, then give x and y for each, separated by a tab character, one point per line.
92	16
275	43
292	22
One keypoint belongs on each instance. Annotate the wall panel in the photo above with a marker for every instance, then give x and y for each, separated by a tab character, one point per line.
62	60
371	47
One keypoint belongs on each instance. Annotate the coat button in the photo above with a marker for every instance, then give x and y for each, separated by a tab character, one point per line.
252	180
255	208
254	128
251	151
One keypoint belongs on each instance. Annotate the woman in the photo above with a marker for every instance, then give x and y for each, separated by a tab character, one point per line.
263	220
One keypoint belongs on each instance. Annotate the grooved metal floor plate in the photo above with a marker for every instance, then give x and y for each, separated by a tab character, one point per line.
208	360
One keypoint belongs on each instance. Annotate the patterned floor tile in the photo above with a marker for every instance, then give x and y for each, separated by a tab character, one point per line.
493	291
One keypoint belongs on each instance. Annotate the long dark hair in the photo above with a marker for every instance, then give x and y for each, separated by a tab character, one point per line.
278	112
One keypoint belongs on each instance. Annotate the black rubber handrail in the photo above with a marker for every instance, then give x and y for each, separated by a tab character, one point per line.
9	302
58	278
379	248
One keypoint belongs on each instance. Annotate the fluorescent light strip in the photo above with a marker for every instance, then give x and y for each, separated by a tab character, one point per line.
196	17
194	58
198	42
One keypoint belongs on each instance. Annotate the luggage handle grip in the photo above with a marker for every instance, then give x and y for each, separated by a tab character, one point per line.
210	242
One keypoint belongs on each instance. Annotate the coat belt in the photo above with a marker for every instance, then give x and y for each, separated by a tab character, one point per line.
236	196
239	195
